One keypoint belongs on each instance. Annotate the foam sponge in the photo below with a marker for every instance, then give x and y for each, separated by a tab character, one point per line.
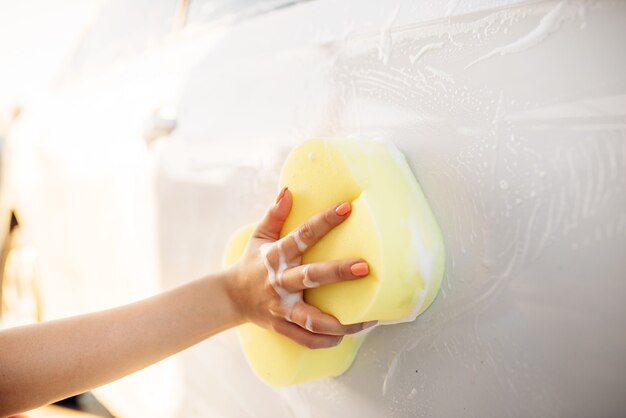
391	226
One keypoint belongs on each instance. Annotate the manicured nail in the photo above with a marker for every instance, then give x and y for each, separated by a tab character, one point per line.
343	209
360	269
369	324
281	194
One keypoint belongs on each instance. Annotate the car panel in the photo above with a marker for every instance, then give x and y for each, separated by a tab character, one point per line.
506	147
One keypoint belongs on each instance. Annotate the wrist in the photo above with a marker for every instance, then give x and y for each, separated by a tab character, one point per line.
228	282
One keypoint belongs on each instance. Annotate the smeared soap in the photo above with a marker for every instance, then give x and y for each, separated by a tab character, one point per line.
391	226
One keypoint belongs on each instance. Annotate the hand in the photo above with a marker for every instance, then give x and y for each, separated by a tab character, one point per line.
269	280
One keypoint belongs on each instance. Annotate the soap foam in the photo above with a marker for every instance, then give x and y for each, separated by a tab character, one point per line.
549	23
282	264
425	48
302	247
307	281
309	323
275	277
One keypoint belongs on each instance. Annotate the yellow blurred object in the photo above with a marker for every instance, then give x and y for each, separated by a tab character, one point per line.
391	227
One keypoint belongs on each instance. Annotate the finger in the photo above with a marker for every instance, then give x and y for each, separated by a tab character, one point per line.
304	337
269	228
309	233
313	320
325	272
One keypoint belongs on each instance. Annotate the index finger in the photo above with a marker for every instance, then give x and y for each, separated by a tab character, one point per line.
314	229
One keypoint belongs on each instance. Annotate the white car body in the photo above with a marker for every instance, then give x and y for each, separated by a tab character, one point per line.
512	116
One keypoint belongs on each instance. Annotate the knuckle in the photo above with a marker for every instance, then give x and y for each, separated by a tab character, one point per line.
309	277
298	312
267	252
261	229
340	271
306	232
309	272
330	217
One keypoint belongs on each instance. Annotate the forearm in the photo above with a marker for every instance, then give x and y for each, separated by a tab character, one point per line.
45	362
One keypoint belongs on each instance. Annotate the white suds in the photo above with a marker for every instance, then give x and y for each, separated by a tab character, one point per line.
289	299
307	282
385	43
302	247
282	264
309	323
389	375
271	274
288	314
549	24
425	48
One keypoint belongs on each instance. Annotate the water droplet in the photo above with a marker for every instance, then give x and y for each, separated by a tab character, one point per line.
504	184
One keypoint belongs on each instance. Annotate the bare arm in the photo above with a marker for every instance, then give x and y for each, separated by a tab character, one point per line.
45	362
49	361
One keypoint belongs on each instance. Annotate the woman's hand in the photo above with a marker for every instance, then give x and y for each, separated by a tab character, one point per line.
268	280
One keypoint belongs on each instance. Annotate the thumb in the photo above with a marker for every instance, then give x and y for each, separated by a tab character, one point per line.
269	228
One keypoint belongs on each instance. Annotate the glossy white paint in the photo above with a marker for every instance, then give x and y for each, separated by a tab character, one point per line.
513	118
513	121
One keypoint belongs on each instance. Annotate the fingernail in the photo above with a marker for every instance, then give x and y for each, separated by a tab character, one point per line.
360	269
281	194
369	324
337	342
343	209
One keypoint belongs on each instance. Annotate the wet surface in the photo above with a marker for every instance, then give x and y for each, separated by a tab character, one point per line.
513	122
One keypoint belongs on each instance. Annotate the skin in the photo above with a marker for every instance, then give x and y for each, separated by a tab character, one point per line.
46	362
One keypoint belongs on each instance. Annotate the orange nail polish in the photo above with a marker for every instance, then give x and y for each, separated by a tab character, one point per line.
281	194
360	269
343	209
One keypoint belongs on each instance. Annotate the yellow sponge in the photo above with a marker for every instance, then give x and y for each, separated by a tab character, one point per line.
391	226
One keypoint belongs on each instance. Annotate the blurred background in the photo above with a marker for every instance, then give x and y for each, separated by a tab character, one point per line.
36	39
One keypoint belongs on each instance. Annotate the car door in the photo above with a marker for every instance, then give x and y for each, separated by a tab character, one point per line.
511	115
